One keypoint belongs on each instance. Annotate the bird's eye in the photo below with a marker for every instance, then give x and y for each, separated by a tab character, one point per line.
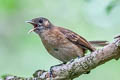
40	21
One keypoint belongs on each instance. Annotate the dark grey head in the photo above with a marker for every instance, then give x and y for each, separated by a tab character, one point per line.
40	24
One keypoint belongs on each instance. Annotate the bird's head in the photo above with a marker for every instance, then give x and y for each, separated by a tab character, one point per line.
40	24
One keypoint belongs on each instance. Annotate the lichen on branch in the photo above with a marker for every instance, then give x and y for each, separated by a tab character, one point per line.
78	66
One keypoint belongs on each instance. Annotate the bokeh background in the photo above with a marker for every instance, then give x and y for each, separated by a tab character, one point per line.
22	54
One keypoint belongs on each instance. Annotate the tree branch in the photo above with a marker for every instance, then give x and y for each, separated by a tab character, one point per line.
78	66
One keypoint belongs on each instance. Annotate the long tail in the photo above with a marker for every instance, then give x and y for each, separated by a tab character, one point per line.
99	43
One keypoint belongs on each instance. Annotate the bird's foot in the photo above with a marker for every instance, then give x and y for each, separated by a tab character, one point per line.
78	57
38	73
51	69
71	60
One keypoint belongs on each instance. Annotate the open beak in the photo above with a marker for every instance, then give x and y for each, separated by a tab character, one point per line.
31	22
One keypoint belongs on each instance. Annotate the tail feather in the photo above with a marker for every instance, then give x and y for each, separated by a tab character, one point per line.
99	43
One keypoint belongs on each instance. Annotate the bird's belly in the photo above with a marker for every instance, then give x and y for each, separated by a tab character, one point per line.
65	52
60	47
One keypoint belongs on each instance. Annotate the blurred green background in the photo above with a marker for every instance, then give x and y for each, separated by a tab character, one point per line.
22	54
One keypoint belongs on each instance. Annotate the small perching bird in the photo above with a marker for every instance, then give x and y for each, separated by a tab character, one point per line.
62	43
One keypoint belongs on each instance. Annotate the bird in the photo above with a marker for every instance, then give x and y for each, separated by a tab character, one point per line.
62	43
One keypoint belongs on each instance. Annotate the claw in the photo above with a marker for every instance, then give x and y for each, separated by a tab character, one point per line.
71	60
51	74
78	57
51	70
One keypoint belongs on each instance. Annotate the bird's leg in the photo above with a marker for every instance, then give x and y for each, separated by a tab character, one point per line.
55	66
38	73
71	60
78	57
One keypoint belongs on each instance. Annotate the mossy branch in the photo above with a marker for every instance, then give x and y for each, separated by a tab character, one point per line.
78	66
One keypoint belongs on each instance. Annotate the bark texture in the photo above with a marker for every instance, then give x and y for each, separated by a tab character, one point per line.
78	66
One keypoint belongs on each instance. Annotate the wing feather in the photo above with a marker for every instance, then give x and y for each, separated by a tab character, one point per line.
76	39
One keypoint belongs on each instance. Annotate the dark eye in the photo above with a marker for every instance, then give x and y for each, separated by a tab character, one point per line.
40	21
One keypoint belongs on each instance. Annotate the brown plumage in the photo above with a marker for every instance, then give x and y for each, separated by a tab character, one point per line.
62	43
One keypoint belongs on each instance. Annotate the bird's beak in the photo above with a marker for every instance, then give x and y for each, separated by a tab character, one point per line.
30	21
